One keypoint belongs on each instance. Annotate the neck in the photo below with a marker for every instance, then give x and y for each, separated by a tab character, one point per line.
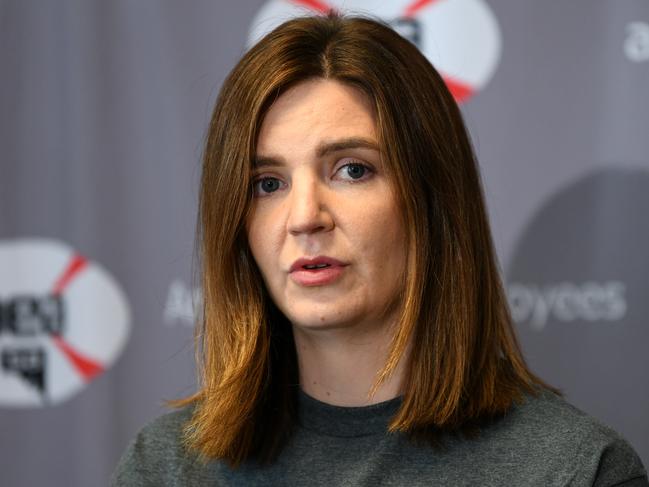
340	366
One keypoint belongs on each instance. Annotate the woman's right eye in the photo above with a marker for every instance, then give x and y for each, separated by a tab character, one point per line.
266	185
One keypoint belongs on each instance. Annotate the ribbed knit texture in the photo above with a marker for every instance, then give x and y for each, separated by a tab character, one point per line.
544	442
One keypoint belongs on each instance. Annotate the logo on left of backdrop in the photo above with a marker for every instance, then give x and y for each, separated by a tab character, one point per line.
64	320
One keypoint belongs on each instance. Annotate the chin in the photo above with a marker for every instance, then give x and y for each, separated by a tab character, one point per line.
325	319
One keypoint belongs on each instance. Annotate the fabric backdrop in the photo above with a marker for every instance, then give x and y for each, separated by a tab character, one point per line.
103	112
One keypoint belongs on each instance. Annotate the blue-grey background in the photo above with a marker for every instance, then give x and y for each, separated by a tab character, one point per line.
103	112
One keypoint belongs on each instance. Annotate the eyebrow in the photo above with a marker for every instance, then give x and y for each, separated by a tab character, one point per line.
323	149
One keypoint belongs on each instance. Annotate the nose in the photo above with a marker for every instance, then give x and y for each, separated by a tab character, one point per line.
309	207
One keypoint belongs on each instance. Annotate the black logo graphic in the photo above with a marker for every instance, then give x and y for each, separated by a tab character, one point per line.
27	317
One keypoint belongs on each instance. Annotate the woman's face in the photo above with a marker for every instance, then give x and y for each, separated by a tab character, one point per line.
325	227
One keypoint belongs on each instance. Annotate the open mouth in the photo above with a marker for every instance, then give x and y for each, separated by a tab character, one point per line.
315	267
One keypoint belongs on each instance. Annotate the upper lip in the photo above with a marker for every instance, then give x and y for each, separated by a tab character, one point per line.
321	259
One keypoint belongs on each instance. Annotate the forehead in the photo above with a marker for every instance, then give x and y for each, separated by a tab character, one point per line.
314	111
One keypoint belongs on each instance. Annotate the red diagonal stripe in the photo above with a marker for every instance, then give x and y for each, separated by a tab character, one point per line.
315	5
76	265
460	91
416	6
86	367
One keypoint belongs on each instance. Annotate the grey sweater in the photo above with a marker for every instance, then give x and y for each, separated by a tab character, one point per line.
544	442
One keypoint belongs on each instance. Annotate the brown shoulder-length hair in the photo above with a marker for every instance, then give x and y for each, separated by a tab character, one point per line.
464	365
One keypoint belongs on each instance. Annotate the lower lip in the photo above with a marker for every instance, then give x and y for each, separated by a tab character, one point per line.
317	277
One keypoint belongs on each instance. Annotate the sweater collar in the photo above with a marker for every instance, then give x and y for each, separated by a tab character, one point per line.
345	422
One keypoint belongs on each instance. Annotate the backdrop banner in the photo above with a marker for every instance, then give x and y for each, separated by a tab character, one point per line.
104	108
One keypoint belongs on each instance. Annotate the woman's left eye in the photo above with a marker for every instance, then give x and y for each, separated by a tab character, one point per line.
354	170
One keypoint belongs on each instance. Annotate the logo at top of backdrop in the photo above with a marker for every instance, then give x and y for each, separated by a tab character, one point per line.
460	38
63	321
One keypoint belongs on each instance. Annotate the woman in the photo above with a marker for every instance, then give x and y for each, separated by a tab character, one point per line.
355	330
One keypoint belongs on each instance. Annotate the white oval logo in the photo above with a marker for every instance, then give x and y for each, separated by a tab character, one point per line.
63	321
460	38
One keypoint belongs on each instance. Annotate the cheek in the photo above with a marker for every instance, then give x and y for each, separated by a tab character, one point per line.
383	238
263	241
255	231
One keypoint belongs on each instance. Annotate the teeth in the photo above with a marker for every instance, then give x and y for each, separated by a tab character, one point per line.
318	266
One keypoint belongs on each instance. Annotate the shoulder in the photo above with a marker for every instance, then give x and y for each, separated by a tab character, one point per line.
165	431
546	428
157	456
